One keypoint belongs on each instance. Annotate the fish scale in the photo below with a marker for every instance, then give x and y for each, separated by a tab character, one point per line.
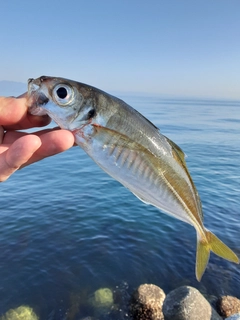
131	149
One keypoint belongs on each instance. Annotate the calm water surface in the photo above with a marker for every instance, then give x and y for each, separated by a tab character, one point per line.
68	229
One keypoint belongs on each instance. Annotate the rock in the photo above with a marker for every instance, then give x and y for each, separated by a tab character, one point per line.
101	302
234	317
20	313
147	303
103	298
187	303
228	305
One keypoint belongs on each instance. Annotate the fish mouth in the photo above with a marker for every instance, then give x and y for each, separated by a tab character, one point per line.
36	98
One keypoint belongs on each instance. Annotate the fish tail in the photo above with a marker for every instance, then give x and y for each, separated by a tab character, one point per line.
211	243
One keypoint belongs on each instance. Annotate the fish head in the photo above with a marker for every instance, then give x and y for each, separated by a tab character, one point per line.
72	105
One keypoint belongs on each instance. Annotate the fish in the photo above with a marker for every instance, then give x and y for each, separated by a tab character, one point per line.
131	149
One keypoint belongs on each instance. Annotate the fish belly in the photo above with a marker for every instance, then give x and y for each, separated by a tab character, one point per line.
136	172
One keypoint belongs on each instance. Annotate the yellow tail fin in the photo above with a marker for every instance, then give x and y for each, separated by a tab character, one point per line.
211	243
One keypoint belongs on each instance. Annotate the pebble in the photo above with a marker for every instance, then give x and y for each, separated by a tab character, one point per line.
228	305
187	303
147	303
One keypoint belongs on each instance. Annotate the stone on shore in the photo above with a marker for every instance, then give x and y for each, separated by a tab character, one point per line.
228	305
147	303
187	303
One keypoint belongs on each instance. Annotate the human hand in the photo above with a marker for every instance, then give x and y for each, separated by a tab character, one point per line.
19	149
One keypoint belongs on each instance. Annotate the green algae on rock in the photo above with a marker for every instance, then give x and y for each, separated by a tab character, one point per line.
20	313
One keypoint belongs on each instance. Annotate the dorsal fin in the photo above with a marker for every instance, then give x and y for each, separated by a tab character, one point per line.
177	149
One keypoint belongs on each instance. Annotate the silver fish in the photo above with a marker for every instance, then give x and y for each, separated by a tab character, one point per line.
130	149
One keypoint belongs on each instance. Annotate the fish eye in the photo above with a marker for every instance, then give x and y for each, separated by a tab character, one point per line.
63	94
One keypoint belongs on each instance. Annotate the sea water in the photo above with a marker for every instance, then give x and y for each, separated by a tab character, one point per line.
68	229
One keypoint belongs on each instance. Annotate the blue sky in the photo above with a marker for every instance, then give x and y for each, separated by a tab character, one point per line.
170	47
